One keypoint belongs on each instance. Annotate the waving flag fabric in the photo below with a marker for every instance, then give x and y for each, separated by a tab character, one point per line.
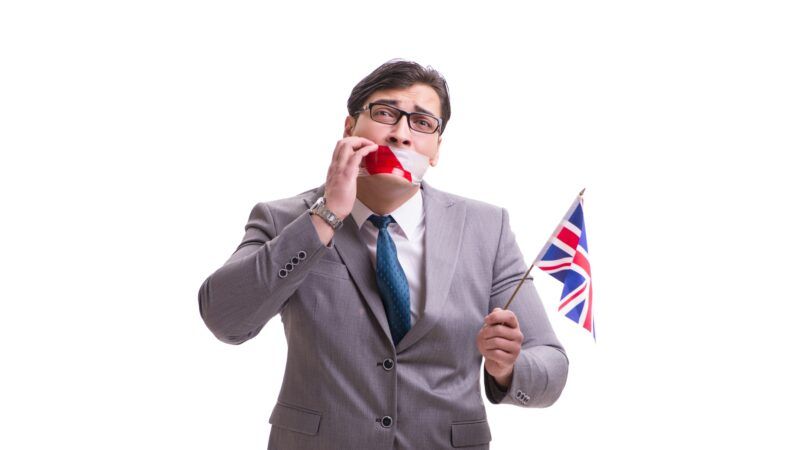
566	258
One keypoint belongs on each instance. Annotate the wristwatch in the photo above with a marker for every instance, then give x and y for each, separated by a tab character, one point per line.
327	215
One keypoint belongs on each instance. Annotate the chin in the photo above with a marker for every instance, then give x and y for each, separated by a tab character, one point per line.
386	183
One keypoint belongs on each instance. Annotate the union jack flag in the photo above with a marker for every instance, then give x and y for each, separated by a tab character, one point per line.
566	258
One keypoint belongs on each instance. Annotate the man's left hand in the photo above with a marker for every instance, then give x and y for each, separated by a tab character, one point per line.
500	341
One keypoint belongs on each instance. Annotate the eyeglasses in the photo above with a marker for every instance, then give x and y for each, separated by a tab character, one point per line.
389	115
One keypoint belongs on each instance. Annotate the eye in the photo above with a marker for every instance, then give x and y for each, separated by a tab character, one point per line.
384	112
423	123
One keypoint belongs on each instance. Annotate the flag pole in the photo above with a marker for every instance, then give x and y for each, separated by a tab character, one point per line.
519	285
544	247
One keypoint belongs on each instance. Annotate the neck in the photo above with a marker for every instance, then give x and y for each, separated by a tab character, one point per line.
381	197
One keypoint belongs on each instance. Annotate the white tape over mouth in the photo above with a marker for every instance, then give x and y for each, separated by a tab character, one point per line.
413	164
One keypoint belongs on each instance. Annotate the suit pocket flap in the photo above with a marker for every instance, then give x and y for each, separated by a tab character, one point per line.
295	418
474	432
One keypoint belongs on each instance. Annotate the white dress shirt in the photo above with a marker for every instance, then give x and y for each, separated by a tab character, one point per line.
408	235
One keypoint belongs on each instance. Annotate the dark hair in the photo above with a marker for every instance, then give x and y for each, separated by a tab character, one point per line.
400	74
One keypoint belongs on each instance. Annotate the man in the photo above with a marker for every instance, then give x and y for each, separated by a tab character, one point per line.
390	292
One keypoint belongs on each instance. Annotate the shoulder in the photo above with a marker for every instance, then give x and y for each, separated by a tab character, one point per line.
284	210
474	208
294	203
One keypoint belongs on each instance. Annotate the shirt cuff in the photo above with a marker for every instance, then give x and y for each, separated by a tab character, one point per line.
494	392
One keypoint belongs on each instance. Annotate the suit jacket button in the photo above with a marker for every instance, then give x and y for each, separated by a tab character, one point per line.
386	422
301	255
289	267
388	364
283	273
295	260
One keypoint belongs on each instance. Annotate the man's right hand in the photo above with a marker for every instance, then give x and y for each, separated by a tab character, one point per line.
340	185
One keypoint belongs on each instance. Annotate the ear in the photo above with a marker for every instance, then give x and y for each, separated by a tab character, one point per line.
349	124
435	158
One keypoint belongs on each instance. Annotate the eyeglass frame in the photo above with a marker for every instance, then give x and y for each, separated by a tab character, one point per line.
402	113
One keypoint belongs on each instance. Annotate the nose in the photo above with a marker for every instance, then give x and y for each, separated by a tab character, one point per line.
400	134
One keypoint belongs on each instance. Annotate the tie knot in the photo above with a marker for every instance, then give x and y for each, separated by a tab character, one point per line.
381	222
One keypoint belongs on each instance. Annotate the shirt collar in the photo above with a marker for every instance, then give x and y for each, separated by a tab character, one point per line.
408	216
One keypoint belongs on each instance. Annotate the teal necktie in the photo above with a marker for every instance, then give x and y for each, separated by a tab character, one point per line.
392	281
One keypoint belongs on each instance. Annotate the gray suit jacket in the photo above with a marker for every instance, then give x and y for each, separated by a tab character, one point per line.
346	386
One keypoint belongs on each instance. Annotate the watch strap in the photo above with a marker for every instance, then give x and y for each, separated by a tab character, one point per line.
326	214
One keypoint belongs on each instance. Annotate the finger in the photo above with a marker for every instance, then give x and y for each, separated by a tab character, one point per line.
504	332
500	330
502	316
337	153
499	356
354	143
358	156
506	317
486	331
502	344
343	153
347	146
510	343
352	153
361	142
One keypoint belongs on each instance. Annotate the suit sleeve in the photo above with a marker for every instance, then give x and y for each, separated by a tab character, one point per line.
240	297
540	371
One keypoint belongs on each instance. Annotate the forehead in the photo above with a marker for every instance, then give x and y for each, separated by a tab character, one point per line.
418	97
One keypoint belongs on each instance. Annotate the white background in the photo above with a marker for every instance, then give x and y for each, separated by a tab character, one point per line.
137	136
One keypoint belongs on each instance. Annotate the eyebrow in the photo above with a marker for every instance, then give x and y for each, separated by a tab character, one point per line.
417	108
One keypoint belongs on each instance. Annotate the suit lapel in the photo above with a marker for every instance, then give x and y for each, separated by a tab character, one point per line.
444	227
355	254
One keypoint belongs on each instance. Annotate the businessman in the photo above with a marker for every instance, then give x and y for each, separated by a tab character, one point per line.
390	291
